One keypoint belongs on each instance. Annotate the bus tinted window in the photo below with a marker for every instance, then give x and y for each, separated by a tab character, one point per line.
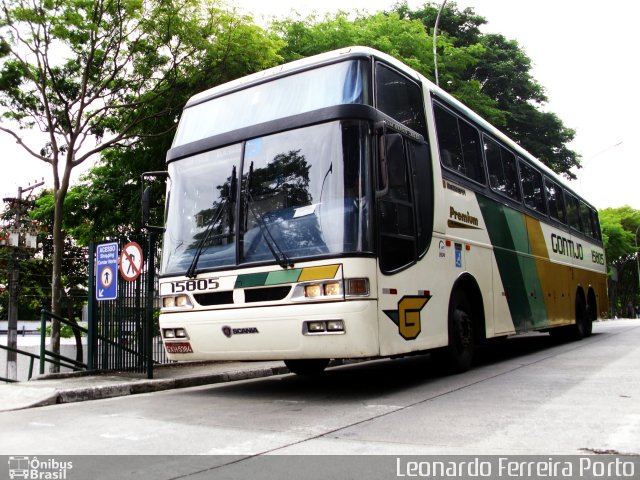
471	152
400	98
336	84
595	222
396	213
555	200
459	144
420	161
503	173
586	221
532	188
573	211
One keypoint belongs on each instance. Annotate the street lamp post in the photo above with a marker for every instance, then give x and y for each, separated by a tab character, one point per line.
435	36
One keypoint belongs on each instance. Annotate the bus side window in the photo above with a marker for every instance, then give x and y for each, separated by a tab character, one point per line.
532	188
555	200
420	161
585	221
595	221
400	98
573	213
459	144
449	140
503	172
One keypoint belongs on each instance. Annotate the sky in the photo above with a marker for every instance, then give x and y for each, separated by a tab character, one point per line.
584	54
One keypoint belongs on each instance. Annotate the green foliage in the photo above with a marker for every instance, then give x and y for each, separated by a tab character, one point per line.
619	228
487	72
223	46
501	71
66	331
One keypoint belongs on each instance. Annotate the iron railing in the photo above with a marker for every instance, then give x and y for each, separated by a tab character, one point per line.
56	358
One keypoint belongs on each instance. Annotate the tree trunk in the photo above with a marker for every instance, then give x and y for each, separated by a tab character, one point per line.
58	251
56	277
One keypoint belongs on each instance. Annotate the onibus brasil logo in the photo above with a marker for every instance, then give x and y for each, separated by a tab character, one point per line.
33	468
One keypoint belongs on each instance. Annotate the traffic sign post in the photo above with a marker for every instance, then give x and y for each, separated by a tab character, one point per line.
106	276
131	261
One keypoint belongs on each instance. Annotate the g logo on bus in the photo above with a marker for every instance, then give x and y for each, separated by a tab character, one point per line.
407	317
227	331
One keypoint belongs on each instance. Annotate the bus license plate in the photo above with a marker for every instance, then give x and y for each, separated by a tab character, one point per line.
178	347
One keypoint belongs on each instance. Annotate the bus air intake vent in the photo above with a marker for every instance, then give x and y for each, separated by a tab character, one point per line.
266	294
214	298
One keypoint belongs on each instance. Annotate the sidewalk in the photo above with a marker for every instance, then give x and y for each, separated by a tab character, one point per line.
78	387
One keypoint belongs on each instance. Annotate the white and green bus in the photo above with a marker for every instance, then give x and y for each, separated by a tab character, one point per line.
343	206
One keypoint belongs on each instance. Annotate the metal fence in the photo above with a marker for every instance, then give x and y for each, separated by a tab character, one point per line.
123	332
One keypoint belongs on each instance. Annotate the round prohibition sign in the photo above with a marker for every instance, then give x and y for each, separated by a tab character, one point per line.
106	277
131	261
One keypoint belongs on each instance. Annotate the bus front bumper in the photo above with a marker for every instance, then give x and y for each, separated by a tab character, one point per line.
274	333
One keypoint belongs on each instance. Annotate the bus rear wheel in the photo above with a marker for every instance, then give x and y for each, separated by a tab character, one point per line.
579	330
458	355
313	366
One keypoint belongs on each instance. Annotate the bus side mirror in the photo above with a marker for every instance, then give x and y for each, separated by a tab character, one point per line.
145	206
146	200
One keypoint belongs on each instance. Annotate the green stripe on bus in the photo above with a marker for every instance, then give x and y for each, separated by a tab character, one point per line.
517	268
279	277
251	280
283	276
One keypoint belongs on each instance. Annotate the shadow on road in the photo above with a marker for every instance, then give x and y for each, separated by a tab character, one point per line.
366	380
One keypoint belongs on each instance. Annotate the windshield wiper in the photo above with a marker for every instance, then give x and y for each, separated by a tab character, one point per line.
280	257
191	271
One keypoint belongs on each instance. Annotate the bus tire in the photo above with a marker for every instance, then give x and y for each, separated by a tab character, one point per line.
457	357
588	321
314	366
581	329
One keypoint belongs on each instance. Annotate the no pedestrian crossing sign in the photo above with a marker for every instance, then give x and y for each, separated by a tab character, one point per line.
131	261
106	273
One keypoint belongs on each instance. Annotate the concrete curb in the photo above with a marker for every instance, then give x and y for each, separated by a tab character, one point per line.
54	389
149	386
33	396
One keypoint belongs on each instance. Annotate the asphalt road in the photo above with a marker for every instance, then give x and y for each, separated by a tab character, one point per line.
527	395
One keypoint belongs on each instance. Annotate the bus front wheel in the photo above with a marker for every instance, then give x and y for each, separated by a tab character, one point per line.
458	355
313	366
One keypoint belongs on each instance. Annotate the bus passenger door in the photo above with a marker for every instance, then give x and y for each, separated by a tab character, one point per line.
402	237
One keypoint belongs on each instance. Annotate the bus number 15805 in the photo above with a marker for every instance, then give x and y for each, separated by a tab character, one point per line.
194	285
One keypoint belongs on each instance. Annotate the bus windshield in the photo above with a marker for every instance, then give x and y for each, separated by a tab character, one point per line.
297	194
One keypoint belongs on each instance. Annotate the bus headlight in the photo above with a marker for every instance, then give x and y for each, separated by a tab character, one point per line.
169	333
172	333
323	327
313	290
327	289
332	288
178	301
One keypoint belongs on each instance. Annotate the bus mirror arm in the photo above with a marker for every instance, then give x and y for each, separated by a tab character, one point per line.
382	187
146	201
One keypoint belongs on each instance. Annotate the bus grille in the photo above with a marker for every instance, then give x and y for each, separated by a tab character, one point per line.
252	295
267	294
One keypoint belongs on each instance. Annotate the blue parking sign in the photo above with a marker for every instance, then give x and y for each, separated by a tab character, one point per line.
107	271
